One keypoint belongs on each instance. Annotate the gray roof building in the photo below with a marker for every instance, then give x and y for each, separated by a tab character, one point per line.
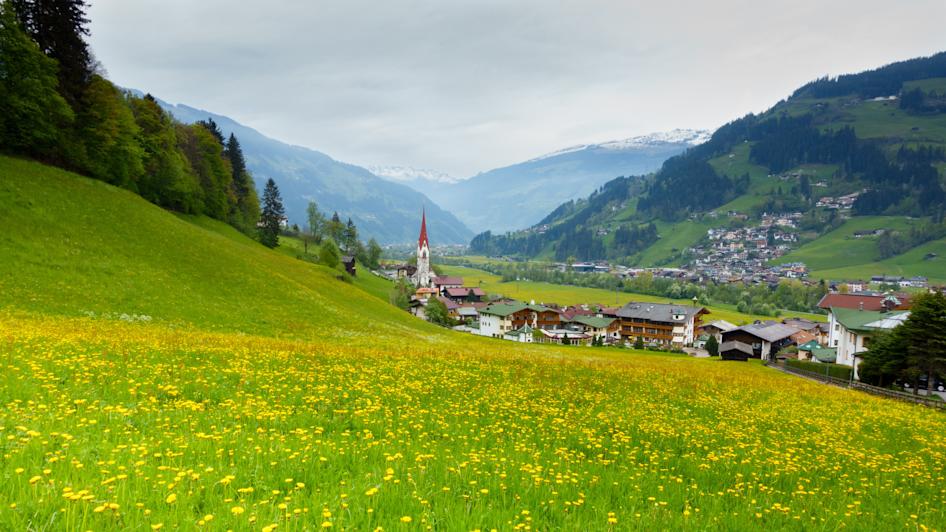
659	312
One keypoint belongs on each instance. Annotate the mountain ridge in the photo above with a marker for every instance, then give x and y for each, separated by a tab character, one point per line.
520	195
387	211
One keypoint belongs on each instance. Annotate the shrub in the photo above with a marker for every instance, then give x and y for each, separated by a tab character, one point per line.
833	370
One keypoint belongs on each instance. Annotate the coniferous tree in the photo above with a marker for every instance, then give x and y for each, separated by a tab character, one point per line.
272	215
59	28
213	128
350	236
246	209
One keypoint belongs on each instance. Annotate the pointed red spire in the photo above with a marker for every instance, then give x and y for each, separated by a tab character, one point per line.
423	230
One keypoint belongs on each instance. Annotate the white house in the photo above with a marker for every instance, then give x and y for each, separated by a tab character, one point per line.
851	330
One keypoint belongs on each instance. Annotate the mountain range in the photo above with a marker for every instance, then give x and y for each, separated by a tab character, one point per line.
520	195
381	209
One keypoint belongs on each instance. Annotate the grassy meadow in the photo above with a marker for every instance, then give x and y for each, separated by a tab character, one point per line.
839	256
160	373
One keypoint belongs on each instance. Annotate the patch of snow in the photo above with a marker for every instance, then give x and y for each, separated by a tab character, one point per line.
691	137
407	173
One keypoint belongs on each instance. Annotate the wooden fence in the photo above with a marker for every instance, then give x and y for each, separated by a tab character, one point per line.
856	385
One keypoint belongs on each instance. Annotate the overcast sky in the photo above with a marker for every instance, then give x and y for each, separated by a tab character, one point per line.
463	87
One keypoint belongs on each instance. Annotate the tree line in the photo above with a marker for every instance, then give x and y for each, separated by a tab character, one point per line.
57	107
883	81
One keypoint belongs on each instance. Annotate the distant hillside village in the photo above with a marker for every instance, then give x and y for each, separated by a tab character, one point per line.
855	315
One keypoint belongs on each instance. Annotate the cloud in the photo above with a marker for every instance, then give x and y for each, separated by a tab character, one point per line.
463	87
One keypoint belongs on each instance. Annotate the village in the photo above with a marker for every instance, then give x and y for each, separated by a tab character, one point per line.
854	315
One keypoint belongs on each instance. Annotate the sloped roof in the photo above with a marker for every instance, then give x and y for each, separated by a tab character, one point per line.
801	323
451	305
722	325
861	320
808	346
734	345
861	301
828	355
464	291
661	312
890	321
593	321
505	309
769	333
802	337
440	281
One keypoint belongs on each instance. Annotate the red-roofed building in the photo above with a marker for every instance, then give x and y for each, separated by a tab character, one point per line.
441	283
865	301
465	294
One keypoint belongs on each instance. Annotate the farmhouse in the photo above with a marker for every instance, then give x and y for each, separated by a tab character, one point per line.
658	323
764	339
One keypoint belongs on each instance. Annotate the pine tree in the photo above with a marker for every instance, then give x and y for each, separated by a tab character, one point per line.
213	128
59	28
350	237
246	210
271	216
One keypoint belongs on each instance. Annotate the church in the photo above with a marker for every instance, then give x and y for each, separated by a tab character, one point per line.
422	277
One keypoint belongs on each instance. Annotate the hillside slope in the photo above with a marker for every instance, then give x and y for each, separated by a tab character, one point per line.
76	246
389	212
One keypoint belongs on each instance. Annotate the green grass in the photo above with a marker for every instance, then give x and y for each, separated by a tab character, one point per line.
837	255
574	295
151	264
266	392
909	264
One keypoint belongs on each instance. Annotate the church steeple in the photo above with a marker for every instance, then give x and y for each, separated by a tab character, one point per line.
422	241
422	276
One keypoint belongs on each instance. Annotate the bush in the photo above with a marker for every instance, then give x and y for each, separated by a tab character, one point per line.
833	370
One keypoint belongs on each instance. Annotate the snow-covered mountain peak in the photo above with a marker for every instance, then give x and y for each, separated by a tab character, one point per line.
404	174
691	137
